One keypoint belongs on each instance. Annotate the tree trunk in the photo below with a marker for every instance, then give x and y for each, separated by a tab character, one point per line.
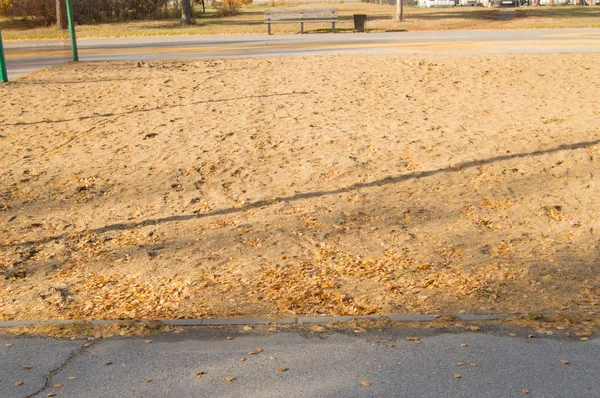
186	12
61	15
399	11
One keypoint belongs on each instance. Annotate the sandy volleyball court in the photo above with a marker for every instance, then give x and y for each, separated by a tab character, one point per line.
292	186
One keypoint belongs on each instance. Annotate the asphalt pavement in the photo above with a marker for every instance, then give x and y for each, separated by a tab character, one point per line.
27	56
304	364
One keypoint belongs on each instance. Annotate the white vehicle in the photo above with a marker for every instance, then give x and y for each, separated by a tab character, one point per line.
436	3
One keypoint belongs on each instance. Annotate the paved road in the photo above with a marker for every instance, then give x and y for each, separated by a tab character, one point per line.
330	364
27	56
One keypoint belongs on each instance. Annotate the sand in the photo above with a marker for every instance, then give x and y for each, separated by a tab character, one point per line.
338	185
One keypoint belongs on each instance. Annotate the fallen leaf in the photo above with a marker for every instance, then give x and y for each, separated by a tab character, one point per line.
229	338
567	334
26	366
242	359
147	380
256	351
366	383
531	336
463	345
583	334
272	358
8	345
564	362
525	391
412	339
460	363
473	328
318	329
247	327
51	394
457	376
108	363
86	345
584	339
229	379
18	383
58	386
472	364
399	363
198	373
512	334
147	341
71	378
282	369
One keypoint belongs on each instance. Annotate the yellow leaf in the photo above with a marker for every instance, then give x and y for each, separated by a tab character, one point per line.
366	383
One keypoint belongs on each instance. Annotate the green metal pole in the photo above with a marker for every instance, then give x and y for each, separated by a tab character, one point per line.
3	73
72	31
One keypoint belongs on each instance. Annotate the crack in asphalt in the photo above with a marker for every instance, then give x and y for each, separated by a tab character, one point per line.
59	369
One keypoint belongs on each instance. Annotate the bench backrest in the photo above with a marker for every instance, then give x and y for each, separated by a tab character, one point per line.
301	14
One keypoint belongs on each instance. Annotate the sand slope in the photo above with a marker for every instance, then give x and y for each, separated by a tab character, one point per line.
325	185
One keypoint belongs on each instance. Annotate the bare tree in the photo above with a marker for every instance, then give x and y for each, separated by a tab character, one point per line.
186	12
62	21
399	11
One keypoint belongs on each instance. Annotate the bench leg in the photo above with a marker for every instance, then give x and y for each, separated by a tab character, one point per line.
301	27
269	28
333	27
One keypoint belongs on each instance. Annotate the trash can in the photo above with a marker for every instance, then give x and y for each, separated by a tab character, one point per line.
359	22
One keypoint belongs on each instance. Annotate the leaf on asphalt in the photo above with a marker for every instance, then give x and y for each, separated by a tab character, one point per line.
463	345
512	334
272	358
586	333
26	366
457	375
366	383
51	394
282	369
525	391
229	338
256	351
148	381
147	341
58	386
472	364
567	334
247	327
71	378
531	336
460	363
86	345
7	345
415	339
229	378
242	359
18	383
564	362
473	328
108	363
198	373
584	339
318	329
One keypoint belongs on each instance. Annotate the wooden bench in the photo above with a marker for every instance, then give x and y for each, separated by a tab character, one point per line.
301	15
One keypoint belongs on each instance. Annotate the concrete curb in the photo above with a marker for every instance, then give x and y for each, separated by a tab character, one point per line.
261	321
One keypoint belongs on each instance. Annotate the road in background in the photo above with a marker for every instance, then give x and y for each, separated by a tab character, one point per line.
28	56
304	364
